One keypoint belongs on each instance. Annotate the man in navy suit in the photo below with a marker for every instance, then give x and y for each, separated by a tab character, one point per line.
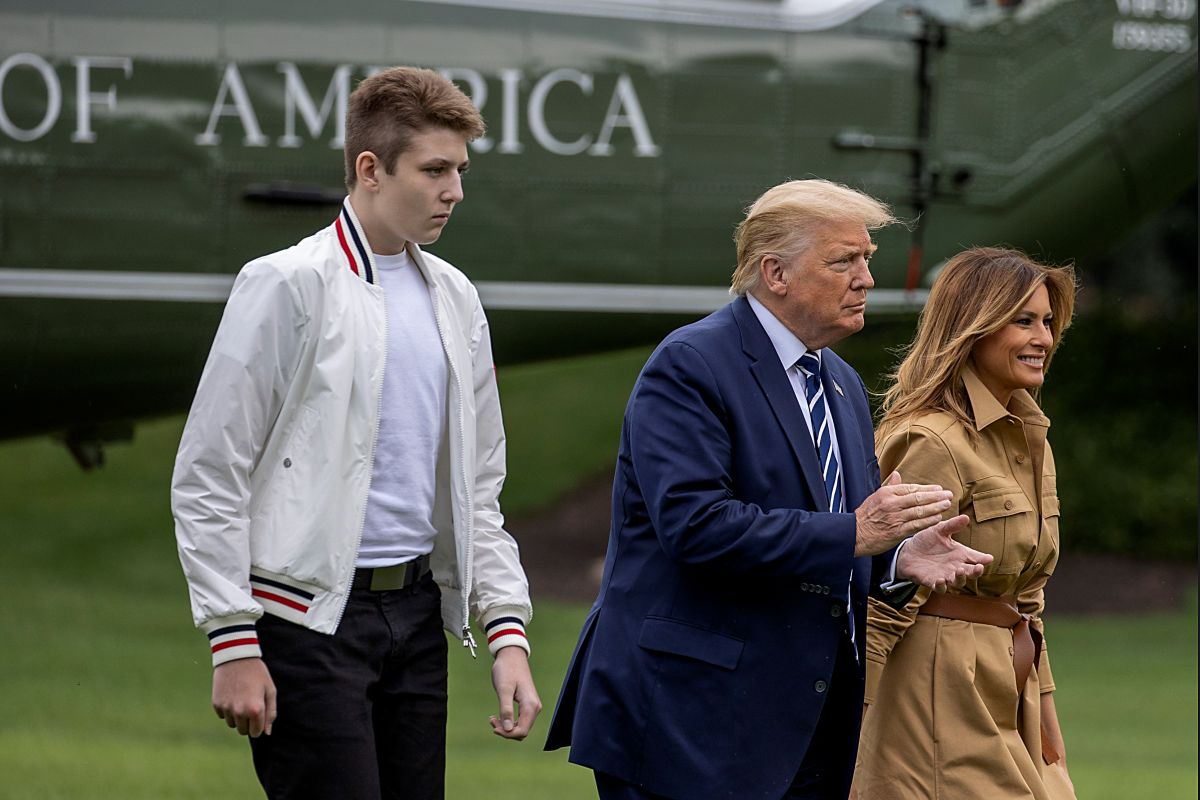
723	656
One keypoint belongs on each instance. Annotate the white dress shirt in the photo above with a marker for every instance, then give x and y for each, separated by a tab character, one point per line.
789	348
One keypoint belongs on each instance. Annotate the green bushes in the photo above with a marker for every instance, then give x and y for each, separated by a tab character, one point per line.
1121	396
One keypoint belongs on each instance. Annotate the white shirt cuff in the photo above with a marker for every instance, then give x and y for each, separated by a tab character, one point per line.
889	584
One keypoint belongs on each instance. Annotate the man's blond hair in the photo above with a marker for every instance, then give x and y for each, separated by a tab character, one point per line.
784	220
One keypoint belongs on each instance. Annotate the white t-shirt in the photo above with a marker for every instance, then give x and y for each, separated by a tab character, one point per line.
412	422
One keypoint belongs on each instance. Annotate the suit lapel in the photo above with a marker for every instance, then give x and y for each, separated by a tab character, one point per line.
768	372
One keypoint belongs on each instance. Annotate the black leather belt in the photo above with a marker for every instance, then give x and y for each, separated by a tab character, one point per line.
386	579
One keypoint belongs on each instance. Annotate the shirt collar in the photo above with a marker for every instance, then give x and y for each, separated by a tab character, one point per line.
987	409
787	345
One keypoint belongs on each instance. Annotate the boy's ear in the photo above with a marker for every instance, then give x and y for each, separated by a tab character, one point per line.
366	170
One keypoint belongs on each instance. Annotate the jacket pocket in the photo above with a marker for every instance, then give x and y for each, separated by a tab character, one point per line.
1000	514
683	639
1000	503
281	509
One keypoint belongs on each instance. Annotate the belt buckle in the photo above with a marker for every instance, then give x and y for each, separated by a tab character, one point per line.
385	579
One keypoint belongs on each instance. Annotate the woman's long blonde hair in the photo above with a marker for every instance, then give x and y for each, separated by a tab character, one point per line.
977	293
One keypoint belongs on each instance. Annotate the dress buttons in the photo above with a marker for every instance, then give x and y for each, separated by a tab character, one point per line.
835	611
1008	505
1020	458
804	587
287	463
820	686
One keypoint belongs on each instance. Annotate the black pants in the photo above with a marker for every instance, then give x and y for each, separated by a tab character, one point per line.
362	713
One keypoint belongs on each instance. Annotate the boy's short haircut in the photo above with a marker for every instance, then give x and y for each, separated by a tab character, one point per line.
386	109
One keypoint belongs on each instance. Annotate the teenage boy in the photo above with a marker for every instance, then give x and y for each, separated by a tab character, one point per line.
336	491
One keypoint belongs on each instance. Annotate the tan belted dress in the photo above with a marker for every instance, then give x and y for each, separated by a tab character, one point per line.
944	718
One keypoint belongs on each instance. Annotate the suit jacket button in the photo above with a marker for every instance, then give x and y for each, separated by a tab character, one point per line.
287	462
835	611
820	686
1008	505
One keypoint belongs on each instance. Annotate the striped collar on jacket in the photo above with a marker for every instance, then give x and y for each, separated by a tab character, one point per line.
353	242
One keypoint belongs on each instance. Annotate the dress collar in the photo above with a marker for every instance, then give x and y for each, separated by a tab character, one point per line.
987	409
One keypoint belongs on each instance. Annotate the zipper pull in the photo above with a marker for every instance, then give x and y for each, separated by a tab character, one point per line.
469	640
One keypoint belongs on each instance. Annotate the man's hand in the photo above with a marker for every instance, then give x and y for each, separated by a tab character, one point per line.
244	696
895	511
933	559
513	682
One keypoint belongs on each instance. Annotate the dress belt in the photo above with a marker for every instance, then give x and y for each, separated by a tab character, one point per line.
1001	612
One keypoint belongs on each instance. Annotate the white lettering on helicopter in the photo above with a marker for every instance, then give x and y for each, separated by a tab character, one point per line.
1145	32
233	101
624	110
53	97
85	98
234	89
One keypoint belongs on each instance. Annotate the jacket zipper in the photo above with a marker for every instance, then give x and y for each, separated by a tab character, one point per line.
468	640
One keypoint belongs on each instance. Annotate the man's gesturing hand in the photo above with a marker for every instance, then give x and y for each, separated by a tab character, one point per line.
895	511
244	696
933	559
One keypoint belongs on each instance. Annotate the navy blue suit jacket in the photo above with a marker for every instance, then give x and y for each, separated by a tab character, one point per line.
701	669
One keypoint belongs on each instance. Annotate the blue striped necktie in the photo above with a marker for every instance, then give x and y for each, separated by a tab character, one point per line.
818	412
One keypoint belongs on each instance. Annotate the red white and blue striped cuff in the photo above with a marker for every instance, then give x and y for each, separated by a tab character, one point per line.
281	599
505	632
231	642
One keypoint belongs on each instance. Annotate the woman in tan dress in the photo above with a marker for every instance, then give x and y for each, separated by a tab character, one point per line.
960	698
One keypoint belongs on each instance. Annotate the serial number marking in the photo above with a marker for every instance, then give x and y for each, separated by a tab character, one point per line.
1156	37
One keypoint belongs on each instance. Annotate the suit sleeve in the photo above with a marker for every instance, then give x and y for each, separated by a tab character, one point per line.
920	456
681	452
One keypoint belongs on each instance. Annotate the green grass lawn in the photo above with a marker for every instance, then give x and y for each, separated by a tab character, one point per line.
104	685
1127	701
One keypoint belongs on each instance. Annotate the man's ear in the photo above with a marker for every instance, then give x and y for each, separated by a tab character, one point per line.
366	170
773	273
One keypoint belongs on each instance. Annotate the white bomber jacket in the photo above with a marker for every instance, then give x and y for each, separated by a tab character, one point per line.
269	491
